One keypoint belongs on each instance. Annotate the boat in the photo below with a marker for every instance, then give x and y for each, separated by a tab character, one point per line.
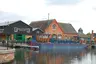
6	55
66	45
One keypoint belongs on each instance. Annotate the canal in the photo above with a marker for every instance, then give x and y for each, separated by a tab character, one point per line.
26	56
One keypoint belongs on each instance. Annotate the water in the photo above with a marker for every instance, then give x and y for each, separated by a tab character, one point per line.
26	56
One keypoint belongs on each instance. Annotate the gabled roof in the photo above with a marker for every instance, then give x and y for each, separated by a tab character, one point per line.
43	24
15	27
80	29
34	29
67	28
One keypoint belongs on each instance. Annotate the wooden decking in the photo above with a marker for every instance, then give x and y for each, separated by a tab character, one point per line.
23	45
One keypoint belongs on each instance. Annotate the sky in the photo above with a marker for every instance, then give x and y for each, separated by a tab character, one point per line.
80	13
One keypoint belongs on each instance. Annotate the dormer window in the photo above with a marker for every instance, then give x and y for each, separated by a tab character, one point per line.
53	26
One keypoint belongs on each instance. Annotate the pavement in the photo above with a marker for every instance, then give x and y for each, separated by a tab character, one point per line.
3	48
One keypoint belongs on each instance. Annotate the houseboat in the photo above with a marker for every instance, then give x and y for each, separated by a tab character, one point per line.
63	46
47	44
55	35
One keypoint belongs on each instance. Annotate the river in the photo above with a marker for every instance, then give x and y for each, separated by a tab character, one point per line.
27	56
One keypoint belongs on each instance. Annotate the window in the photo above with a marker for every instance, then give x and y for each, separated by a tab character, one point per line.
59	36
47	32
53	26
18	37
37	32
54	36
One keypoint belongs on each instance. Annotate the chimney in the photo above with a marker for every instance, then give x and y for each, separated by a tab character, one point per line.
92	32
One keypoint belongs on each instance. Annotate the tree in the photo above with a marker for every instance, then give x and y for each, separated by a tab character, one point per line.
88	34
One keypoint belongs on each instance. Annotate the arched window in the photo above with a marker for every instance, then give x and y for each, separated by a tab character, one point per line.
54	36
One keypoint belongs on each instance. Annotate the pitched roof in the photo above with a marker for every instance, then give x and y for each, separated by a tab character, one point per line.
36	29
80	29
43	24
17	27
67	28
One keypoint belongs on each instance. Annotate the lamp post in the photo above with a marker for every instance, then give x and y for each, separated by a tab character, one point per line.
7	37
7	41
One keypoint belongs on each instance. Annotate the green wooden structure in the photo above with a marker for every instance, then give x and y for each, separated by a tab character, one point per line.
19	37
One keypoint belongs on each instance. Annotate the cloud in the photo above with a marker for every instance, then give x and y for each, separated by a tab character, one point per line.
8	16
62	2
22	7
80	15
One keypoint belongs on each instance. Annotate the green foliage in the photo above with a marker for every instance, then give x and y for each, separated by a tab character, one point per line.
88	34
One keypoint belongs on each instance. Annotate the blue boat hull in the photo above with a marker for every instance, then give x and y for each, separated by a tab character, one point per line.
66	47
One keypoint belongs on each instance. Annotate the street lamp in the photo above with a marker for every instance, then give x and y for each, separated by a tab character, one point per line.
7	37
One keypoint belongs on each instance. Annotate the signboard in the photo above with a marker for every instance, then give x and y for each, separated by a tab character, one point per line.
17	29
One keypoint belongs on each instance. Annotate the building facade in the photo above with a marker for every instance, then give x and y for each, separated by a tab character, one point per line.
55	29
83	38
15	30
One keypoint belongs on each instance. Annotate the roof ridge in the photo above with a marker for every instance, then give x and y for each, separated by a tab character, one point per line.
8	22
42	20
64	23
41	24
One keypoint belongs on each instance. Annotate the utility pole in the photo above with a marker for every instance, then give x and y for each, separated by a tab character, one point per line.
48	16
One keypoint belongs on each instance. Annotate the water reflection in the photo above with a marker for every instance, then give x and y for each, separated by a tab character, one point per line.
89	58
25	56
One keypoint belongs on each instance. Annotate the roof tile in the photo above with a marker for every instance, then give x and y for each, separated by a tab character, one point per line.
67	28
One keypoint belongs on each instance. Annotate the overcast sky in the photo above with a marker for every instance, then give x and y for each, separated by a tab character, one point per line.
80	13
